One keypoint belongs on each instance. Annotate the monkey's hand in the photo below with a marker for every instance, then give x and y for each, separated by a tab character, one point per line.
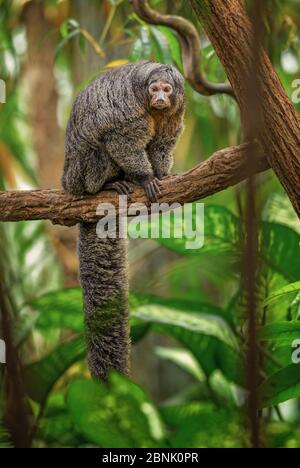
152	188
121	186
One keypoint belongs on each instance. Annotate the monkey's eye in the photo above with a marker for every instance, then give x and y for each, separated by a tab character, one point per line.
168	89
153	89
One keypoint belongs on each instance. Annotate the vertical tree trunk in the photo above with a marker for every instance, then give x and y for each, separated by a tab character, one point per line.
230	32
42	95
48	137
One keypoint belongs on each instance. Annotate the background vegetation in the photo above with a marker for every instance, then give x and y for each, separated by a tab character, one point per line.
187	307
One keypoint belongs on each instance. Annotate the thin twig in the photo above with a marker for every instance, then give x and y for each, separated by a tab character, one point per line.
190	47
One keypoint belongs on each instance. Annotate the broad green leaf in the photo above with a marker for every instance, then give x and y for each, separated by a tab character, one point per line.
116	416
202	425
63	309
146	42
138	329
282	333
281	386
290	288
42	375
60	309
161	45
137	300
279	209
58	430
136	51
173	44
207	337
279	246
222	232
279	249
282	435
282	357
183	359
204	324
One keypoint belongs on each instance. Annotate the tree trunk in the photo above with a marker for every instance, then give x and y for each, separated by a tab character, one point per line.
230	31
48	137
42	95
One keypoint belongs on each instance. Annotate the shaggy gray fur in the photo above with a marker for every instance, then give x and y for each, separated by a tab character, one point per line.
114	134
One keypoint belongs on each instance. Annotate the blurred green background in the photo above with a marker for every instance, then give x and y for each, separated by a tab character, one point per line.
187	307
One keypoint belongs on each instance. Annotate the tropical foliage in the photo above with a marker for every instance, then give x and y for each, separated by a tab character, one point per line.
187	306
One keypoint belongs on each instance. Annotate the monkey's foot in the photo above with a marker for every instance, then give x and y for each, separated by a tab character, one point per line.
152	189
121	186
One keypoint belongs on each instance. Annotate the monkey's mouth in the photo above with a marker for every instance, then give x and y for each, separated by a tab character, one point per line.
160	105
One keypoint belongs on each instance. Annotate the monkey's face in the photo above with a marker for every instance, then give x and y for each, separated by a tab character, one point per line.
160	94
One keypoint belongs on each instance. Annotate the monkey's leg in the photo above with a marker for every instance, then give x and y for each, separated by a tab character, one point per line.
96	171
72	180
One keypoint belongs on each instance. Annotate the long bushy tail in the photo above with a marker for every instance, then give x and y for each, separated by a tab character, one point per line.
104	280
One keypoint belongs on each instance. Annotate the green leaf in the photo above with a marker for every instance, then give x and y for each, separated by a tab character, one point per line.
58	430
279	210
183	359
206	336
202	425
60	309
279	249
138	329
222	231
136	51
41	376
282	333
166	318
173	44
63	309
116	416
281	386
278	245
67	26
290	288
161	45
137	300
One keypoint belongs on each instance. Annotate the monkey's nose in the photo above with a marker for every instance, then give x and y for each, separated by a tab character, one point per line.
160	98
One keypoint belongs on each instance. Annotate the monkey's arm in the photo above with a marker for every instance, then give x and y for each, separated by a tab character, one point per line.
129	153
160	152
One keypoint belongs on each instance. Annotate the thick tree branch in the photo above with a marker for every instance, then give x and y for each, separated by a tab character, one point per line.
190	47
224	169
231	33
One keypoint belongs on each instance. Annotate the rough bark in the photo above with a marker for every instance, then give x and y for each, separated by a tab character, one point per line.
225	168
230	32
